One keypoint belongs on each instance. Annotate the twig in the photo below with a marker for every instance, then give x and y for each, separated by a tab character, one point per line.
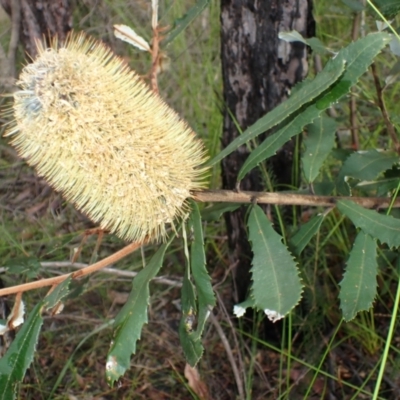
381	103
78	274
225	343
231	196
107	270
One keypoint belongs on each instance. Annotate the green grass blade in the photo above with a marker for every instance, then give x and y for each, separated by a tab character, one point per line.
130	320
358	56
365	166
308	92
306	232
318	143
276	287
182	23
19	356
382	227
358	287
202	280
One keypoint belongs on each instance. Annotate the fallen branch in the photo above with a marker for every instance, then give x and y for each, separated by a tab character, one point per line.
293	199
78	274
213	196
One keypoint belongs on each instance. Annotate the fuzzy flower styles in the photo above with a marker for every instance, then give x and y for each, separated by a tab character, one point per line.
101	137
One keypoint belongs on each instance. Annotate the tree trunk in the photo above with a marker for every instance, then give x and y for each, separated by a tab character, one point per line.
258	70
40	19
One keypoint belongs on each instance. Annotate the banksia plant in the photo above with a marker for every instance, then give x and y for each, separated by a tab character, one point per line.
101	137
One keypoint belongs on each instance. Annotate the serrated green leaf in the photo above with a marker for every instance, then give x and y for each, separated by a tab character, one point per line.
358	287
365	166
358	56
381	227
202	280
182	23
215	212
276	286
130	320
61	290
306	232
19	356
306	93
192	346
318	143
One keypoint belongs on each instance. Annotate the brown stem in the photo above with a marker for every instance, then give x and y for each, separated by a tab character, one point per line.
228	196
78	274
231	196
155	55
381	103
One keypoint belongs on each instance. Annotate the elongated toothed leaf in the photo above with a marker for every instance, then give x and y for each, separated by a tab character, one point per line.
276	286
358	287
318	144
357	58
202	280
308	92
130	320
306	232
15	362
365	166
382	227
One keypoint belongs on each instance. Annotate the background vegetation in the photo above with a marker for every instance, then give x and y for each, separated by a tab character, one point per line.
314	354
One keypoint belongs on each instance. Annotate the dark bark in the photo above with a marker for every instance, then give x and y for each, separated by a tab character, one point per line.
41	19
258	72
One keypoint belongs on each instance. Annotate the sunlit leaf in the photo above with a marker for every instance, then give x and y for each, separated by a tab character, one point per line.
276	286
358	287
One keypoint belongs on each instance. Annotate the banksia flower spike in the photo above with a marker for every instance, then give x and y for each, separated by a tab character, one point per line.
99	135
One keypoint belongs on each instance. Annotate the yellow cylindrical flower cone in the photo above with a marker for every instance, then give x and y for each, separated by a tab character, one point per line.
99	135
